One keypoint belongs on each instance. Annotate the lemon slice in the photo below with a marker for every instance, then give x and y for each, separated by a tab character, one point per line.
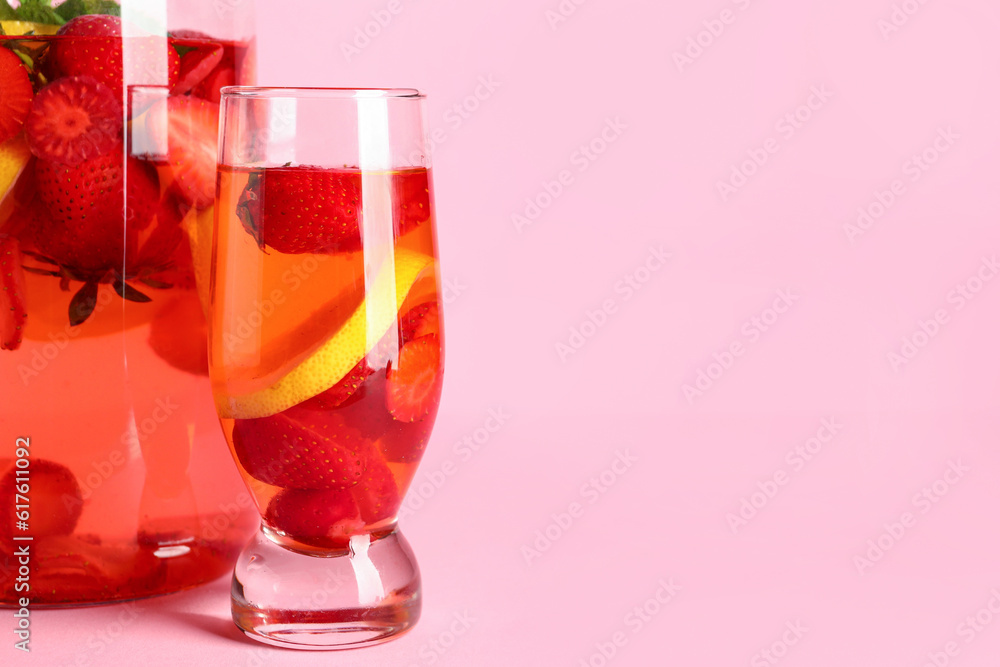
14	156
25	27
338	355
198	224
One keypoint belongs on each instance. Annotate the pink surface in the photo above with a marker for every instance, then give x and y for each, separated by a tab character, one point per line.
782	437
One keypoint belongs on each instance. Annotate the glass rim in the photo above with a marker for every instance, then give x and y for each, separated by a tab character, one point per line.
293	92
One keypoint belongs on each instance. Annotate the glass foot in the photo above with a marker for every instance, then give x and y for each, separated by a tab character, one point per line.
359	597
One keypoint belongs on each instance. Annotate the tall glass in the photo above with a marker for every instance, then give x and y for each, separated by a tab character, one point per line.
108	140
325	351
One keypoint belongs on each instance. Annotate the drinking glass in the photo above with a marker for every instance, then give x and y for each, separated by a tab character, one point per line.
325	352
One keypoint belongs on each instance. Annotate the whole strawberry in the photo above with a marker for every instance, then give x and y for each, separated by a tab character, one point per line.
304	209
376	494
17	93
84	230
97	52
321	517
56	500
305	450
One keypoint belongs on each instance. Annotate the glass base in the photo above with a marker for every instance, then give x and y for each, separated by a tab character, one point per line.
346	599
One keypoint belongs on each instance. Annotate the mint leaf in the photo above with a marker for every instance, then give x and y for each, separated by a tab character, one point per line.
83	304
7	13
128	292
38	11
73	8
26	59
181	49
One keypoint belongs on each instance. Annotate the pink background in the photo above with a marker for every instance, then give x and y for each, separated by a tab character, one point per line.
888	95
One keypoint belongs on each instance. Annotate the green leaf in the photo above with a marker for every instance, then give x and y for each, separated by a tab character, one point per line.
7	12
41	272
38	11
40	257
26	59
155	284
83	304
181	49
128	292
247	205
73	8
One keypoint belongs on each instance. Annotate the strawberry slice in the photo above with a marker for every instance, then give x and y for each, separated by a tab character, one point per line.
411	199
97	52
360	396
195	66
339	393
362	381
17	93
222	73
376	494
13	311
74	119
421	320
56	500
405	442
361	405
413	388
211	88
304	209
320	517
301	450
192	134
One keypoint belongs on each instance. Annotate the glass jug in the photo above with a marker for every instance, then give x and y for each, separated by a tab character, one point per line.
115	479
